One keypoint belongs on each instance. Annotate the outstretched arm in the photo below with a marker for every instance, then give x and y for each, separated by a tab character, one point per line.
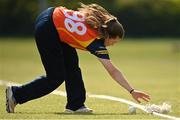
121	80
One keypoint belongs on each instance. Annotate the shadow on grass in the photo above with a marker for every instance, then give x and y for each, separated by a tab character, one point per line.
98	114
68	114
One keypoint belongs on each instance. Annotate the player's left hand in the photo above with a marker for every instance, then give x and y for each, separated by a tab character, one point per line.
140	95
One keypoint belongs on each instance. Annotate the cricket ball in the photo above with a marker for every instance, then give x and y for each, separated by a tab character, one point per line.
132	110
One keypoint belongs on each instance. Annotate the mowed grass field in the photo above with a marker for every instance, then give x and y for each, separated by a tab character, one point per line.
152	66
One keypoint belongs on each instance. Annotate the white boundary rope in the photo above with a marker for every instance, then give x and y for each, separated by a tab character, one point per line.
104	97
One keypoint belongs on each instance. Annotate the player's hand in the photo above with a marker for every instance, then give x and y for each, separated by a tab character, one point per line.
140	95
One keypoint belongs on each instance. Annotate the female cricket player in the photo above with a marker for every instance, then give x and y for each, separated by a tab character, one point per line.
58	33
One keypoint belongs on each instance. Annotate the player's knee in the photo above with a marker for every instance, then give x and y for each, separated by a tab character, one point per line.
55	80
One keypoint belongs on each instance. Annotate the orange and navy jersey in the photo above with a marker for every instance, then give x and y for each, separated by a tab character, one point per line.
74	31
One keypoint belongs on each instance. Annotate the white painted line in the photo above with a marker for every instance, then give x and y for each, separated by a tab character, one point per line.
6	83
141	107
104	97
59	92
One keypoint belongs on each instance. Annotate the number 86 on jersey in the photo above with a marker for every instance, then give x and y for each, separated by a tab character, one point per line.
74	22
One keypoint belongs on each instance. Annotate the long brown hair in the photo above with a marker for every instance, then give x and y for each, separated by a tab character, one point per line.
99	18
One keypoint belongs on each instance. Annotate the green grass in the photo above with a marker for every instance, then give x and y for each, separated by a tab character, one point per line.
152	66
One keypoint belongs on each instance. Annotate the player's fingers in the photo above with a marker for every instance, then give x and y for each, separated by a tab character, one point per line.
146	95
145	99
138	100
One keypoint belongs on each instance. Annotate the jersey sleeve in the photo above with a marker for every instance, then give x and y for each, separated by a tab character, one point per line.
98	49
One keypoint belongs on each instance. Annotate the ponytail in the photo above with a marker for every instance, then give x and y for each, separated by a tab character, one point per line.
100	19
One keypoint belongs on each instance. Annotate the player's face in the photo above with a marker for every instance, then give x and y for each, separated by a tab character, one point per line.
110	41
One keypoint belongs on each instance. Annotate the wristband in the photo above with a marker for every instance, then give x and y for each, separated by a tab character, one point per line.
131	91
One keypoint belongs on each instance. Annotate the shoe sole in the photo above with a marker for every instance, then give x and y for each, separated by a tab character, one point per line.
68	111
